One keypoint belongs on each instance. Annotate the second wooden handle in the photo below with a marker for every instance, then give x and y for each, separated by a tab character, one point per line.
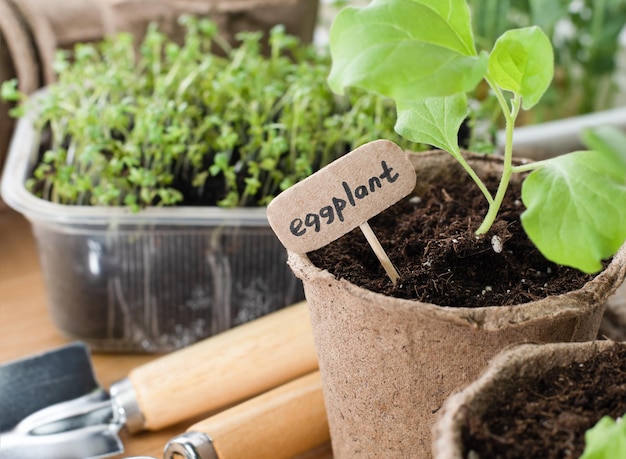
278	424
227	368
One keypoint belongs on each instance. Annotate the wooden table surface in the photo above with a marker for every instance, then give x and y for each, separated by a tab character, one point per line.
26	328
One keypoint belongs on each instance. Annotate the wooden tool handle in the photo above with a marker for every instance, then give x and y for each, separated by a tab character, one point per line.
227	368
281	423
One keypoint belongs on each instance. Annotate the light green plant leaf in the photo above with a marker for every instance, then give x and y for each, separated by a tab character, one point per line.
606	440
433	121
576	208
405	49
9	91
522	61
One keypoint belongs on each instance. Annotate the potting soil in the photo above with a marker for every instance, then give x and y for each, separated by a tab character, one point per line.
431	241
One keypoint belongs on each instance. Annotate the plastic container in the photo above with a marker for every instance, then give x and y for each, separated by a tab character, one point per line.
151	281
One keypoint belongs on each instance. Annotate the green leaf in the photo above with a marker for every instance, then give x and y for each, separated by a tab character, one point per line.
606	440
522	61
433	121
576	208
405	49
9	91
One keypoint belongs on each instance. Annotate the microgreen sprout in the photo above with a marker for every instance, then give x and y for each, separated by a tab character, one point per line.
422	54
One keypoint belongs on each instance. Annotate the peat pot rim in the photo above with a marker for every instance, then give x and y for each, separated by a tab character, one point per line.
487	318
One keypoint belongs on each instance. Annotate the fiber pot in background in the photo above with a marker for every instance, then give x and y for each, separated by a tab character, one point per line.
388	364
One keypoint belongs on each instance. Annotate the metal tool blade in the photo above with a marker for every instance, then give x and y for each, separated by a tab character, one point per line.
52	406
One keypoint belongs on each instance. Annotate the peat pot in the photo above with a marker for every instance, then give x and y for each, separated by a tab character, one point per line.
388	364
151	281
535	372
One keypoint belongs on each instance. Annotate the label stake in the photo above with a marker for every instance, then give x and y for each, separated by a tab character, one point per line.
380	253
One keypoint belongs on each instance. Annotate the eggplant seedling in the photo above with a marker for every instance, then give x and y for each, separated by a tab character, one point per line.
422	54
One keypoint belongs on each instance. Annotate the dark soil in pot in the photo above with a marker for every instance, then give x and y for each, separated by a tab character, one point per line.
430	239
547	417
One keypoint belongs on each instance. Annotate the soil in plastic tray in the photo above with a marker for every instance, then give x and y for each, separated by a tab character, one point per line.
430	240
548	418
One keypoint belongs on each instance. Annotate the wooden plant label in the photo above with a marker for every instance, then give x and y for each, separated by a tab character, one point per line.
341	196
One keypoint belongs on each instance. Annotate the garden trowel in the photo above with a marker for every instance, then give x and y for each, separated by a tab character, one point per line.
52	406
